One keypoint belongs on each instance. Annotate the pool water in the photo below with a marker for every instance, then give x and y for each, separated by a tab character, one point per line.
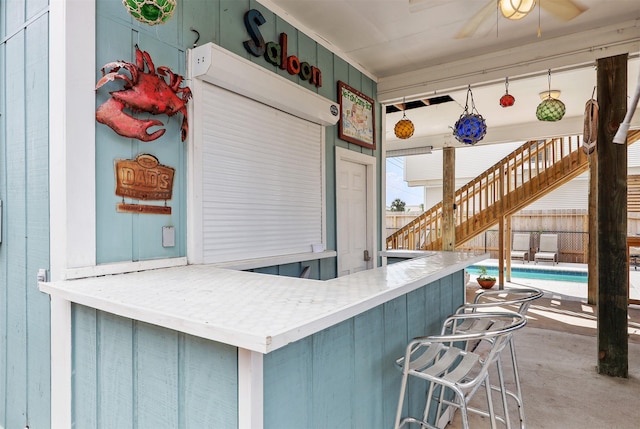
541	274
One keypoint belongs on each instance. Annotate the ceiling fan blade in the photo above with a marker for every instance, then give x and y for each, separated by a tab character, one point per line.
565	10
418	5
474	23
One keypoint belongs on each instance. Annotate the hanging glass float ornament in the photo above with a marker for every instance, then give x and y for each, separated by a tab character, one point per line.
404	127
507	100
551	109
471	127
150	12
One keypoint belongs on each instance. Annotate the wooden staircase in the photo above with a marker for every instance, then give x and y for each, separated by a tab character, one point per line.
525	175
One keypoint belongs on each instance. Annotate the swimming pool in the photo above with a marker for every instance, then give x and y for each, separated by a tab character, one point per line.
535	273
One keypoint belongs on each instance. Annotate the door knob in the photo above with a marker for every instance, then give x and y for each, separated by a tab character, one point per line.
366	256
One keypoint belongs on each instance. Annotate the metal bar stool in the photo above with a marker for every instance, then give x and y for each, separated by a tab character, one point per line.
449	364
513	299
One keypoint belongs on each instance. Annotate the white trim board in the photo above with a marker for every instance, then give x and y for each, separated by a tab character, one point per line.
72	220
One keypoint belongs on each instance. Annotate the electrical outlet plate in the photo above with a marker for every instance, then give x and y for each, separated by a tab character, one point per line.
168	236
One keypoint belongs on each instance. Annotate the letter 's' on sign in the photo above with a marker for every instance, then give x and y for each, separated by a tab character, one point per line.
276	52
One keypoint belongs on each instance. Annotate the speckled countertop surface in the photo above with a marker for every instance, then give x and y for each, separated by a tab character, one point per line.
259	312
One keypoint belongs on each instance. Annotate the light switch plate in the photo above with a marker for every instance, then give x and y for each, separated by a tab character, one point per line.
168	236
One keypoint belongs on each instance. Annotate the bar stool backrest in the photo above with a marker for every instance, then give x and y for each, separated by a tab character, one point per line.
514	299
447	360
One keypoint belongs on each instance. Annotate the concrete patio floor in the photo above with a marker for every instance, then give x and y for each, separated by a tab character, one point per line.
557	358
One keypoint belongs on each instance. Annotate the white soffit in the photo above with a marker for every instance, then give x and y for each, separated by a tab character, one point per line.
223	68
570	51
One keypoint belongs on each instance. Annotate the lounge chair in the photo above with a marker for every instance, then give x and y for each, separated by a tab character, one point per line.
548	250
520	248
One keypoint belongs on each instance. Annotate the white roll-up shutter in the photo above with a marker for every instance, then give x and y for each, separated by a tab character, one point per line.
262	179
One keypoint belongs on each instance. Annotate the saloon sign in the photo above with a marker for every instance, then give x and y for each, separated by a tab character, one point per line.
276	53
143	178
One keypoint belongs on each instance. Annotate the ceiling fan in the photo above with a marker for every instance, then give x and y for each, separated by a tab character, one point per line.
564	10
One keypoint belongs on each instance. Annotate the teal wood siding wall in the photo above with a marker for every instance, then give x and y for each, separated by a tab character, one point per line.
127	236
24	191
129	374
25	324
344	376
123	237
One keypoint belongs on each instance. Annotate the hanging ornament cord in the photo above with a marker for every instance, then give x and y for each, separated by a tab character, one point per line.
506	84
539	27
473	104
497	17
549	83
404	109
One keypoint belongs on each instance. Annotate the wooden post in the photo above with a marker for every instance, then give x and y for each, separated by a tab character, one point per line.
501	226
507	248
448	193
613	268
592	254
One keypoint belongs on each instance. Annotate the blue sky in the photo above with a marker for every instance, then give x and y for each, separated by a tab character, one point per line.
397	187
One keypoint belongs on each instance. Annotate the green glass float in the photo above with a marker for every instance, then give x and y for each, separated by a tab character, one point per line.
150	12
550	110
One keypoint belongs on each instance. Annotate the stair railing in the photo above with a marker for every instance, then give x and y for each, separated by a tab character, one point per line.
529	172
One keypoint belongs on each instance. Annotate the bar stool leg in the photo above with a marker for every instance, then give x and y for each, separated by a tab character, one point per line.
427	405
503	394
492	415
517	381
403	387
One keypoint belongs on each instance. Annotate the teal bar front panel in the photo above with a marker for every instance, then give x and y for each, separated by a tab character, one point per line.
344	376
129	374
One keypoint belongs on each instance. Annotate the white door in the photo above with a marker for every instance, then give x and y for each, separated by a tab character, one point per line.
355	224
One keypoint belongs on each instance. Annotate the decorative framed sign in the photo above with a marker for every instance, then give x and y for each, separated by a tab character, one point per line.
143	178
357	117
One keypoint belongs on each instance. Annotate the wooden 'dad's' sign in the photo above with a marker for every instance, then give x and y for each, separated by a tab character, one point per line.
143	178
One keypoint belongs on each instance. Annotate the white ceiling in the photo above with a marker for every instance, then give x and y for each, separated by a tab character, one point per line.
412	52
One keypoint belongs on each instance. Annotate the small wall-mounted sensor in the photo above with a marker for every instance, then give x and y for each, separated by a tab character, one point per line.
168	236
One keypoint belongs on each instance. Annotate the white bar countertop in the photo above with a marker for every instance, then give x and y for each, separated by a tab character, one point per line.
258	312
401	253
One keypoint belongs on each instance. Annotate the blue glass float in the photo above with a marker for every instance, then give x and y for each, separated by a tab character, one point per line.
471	127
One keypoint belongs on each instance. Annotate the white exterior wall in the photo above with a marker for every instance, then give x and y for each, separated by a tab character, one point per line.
424	170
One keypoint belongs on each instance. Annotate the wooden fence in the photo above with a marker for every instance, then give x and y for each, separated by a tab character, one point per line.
571	226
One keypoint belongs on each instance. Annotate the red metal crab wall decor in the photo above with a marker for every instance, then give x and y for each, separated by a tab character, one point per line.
143	92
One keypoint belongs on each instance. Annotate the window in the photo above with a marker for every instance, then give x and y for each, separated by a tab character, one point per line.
262	179
256	164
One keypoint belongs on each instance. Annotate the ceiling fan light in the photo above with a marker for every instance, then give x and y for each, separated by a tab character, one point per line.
516	9
552	93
